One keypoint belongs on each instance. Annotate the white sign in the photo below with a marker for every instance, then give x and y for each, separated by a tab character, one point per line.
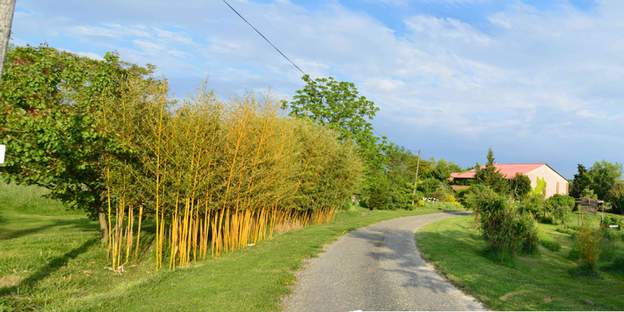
2	150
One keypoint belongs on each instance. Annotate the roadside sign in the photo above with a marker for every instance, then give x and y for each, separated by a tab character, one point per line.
2	150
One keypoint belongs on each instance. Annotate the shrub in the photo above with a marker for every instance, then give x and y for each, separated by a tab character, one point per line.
616	197
526	232
558	207
430	186
475	195
505	230
608	220
445	194
520	186
588	242
617	265
534	205
574	253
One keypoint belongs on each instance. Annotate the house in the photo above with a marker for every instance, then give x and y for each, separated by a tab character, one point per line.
555	182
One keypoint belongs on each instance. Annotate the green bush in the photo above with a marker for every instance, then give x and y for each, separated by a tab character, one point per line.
526	231
475	194
520	186
608	220
574	253
616	197
445	193
506	231
558	207
617	265
533	204
588	242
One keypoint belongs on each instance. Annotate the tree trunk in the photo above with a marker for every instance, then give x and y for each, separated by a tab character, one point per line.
103	225
7	7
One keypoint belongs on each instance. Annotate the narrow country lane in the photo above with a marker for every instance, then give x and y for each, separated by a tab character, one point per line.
376	268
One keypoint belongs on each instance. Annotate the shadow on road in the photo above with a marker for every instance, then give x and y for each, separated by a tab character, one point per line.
397	249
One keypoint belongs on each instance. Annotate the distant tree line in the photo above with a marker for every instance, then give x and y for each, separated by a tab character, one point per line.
603	180
390	170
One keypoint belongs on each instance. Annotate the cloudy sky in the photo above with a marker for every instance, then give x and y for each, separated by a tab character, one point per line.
538	81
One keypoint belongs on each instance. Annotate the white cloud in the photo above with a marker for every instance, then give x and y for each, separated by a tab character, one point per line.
507	81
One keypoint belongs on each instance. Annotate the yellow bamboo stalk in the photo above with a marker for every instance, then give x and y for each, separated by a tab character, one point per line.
138	239
129	234
157	195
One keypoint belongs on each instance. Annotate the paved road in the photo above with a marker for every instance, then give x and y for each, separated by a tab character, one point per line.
376	268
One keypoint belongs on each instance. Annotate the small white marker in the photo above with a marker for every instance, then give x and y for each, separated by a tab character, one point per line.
2	151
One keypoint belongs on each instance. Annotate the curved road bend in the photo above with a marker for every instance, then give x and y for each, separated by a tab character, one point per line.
376	268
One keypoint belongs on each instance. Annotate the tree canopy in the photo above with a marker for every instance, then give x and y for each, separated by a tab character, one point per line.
601	177
490	176
338	105
55	112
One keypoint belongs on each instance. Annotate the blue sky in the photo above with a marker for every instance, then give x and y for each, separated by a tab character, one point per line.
538	81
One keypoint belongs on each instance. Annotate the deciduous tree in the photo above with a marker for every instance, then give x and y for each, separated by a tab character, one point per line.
53	116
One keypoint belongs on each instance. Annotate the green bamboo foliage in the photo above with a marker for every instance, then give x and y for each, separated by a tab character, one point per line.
218	177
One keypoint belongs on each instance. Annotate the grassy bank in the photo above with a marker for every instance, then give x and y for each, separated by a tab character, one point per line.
51	260
538	282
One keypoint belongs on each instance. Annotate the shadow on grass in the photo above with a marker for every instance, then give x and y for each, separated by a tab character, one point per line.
51	267
76	224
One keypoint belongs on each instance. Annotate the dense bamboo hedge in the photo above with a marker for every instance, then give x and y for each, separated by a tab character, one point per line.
216	177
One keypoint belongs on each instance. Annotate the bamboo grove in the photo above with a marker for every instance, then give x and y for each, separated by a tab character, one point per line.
206	177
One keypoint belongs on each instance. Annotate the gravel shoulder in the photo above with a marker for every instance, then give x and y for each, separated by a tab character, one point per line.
377	267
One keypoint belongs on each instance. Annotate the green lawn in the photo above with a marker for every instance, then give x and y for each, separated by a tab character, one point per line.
51	259
537	282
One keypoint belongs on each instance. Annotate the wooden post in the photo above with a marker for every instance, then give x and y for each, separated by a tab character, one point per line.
7	7
416	180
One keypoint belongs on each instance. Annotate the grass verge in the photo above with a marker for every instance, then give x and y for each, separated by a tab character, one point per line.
538	282
51	259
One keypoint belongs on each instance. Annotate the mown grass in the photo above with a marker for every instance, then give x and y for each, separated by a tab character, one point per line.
51	259
544	281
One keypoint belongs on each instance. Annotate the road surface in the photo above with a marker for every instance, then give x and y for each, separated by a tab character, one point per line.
376	268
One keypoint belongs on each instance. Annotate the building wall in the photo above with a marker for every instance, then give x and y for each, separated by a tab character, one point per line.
555	184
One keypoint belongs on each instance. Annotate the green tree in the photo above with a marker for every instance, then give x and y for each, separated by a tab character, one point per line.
56	124
394	182
338	105
442	169
490	176
588	193
520	186
581	182
616	197
603	176
559	206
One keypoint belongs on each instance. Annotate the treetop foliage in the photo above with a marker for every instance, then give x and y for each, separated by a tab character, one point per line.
601	181
338	105
390	169
53	106
490	176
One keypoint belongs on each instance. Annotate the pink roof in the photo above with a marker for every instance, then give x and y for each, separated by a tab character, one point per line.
508	170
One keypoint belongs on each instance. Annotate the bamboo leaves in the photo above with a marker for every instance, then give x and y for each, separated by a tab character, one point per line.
224	177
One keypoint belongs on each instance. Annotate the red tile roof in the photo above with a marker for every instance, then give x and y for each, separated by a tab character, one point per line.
508	170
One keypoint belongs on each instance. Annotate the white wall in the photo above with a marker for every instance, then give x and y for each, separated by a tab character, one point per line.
552	179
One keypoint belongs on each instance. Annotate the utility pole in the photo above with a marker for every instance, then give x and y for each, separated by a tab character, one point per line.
7	7
416	181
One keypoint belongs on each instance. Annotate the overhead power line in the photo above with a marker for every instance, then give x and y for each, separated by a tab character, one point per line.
265	38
